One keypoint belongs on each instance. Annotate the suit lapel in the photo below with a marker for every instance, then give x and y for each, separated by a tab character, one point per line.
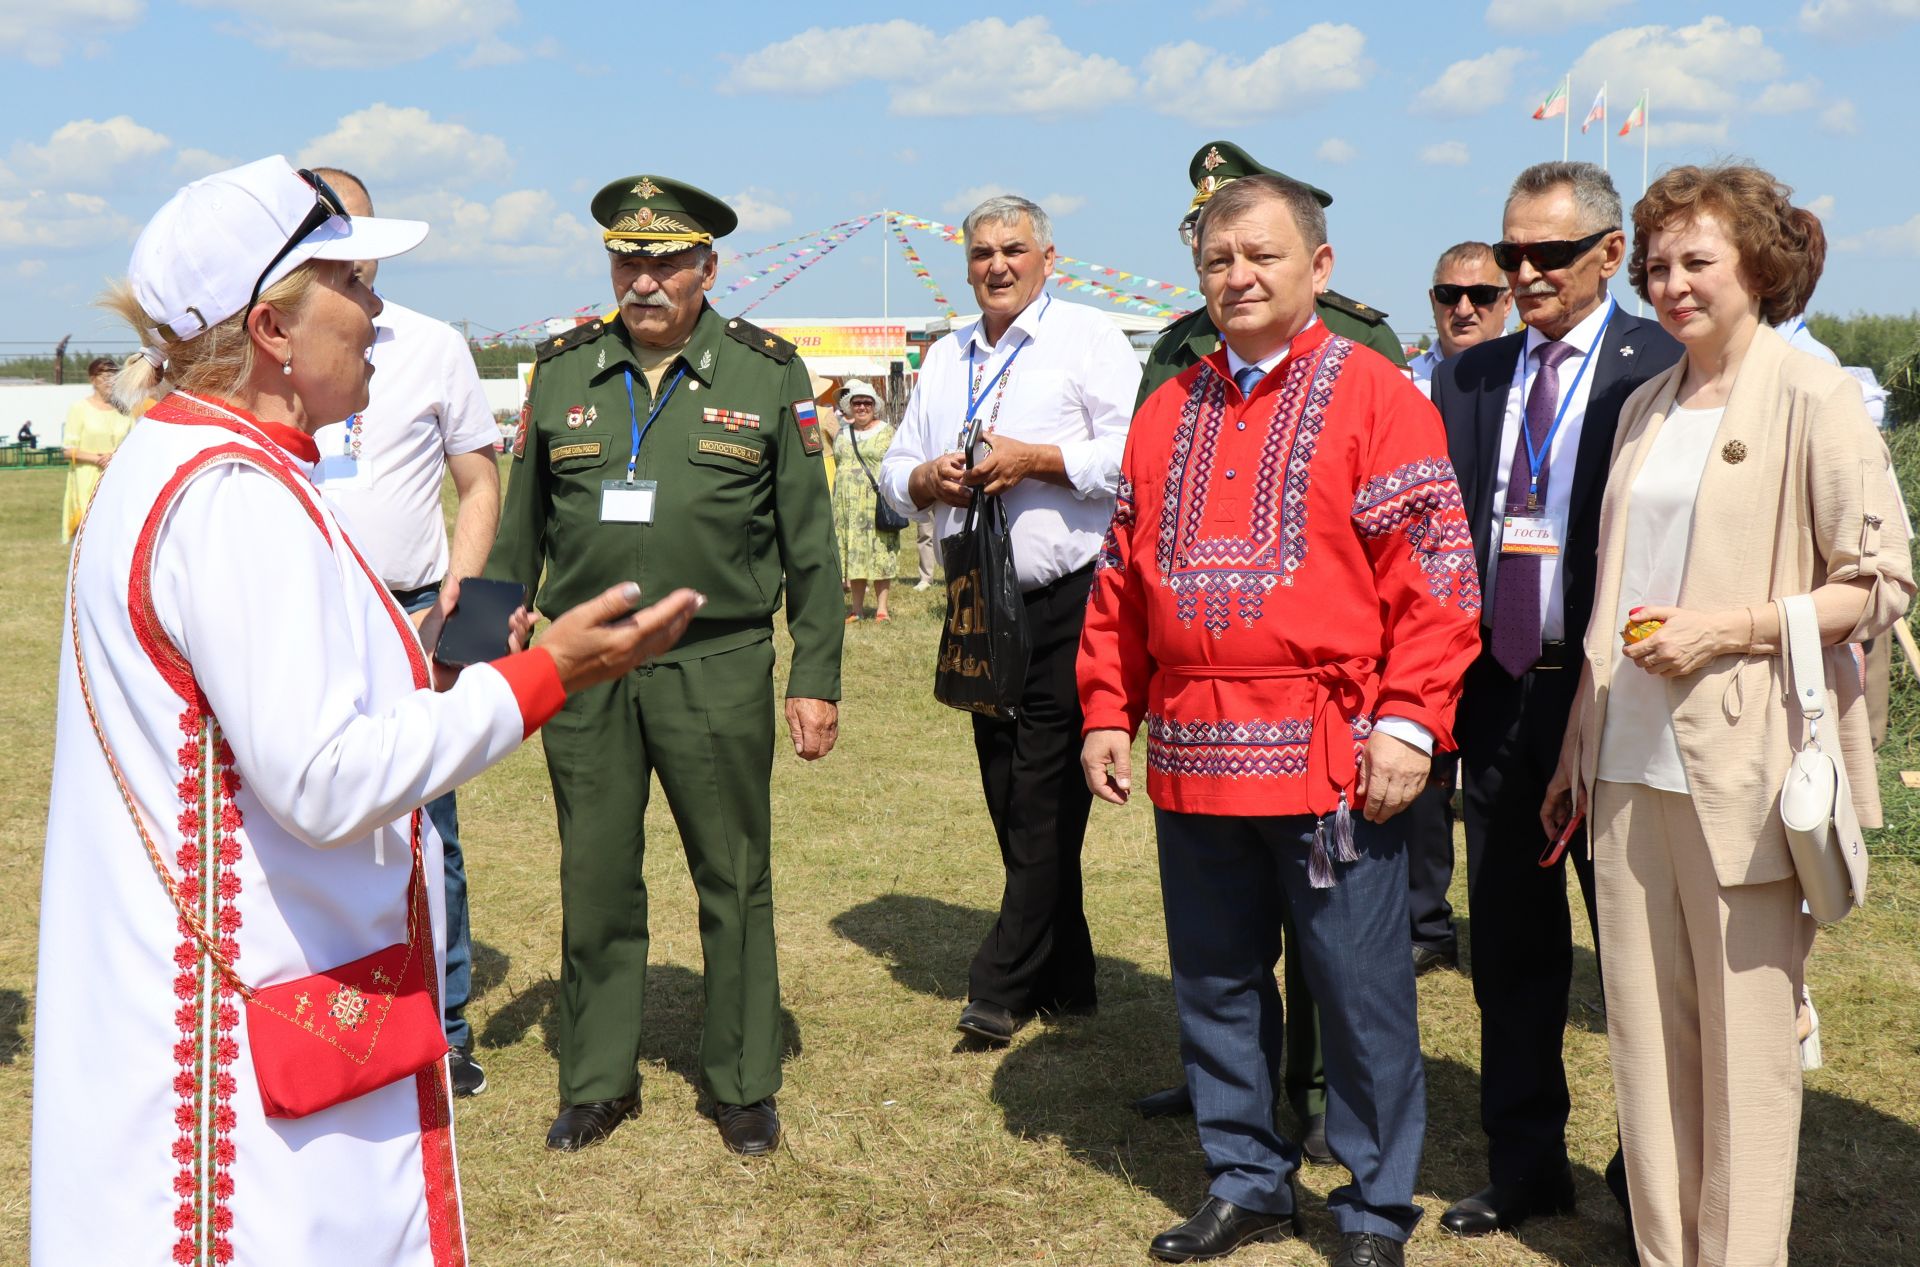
1619	347
1740	487
1490	412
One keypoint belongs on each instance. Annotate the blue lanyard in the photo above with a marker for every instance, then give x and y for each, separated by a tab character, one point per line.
1536	457
966	385
633	415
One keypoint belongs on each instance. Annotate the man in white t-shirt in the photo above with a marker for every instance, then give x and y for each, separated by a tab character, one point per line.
382	470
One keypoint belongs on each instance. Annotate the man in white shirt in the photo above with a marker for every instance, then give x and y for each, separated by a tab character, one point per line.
382	469
1471	300
1042	391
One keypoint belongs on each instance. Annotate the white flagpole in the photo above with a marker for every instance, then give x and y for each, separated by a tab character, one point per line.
1604	126
1566	117
1646	137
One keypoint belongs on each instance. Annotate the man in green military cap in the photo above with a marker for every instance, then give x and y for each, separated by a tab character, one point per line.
676	447
1191	337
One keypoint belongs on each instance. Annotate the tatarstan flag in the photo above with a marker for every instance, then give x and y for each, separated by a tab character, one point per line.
1638	118
1556	103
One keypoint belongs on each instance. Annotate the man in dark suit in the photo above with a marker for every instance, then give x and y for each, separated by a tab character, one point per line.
1530	419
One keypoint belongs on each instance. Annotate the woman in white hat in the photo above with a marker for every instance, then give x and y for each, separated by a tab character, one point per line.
866	552
246	729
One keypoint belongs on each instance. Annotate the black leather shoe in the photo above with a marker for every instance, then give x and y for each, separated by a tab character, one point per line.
1313	1144
1431	958
1498	1207
752	1130
1218	1228
469	1079
1173	1102
988	1021
1369	1249
580	1125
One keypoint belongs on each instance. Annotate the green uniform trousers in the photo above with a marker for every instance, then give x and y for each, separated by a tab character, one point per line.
705	726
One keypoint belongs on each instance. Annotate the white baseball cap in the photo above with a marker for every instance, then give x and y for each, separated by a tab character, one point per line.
196	262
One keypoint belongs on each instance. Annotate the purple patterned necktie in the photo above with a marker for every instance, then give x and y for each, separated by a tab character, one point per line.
1517	613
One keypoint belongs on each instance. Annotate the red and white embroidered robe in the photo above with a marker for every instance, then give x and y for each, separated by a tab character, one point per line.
1280	571
260	692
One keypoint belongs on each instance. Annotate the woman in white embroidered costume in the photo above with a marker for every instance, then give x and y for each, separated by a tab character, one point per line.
243	707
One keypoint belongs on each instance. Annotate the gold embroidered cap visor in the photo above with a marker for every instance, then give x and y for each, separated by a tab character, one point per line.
652	215
1218	162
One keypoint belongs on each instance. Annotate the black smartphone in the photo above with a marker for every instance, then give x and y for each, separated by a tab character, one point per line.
477	628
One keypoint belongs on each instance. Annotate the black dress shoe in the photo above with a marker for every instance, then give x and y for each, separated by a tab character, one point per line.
1173	1102
1313	1144
1498	1207
1430	958
469	1079
988	1021
1218	1228
580	1125
752	1130
1369	1249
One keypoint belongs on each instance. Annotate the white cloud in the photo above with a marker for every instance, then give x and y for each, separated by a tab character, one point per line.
1446	154
1201	85
967	199
1696	69
1840	117
26	270
1472	86
360	33
87	153
984	67
1335	150
494	51
43	32
758	211
1534	16
524	230
1821	206
1689	134
42	221
1787	98
408	147
1062	204
192	164
1894	239
1848	18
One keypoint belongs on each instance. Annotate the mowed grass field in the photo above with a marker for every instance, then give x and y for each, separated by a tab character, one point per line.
899	1150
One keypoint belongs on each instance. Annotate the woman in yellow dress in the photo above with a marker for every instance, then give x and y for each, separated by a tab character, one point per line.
94	430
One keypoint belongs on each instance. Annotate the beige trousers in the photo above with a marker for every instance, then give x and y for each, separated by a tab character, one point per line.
1701	986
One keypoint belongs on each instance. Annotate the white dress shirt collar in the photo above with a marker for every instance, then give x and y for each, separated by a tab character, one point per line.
1027	324
1267	364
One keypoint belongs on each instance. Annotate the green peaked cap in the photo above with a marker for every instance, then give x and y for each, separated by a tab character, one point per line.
653	215
1217	162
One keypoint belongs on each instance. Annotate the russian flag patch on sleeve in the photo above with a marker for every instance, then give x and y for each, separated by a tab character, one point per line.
807	420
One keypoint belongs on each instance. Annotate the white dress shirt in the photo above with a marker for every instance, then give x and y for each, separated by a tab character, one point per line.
1072	386
1421	369
1575	388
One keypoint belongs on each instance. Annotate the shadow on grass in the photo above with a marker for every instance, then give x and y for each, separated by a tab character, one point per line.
13	1014
669	1035
490	965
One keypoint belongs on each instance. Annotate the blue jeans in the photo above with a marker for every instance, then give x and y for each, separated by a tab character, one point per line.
1224	881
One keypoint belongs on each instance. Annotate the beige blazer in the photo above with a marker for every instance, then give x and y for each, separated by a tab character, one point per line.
1798	491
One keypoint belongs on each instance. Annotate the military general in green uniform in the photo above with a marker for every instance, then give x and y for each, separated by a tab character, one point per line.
1191	337
676	447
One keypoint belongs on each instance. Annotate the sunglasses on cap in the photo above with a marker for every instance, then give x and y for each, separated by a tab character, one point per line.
1545	256
326	205
1447	295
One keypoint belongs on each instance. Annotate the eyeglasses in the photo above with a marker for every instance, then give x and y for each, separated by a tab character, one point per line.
1188	225
1545	256
1447	295
326	205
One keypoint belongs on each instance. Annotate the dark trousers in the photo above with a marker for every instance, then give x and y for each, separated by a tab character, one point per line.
1224	882
1039	955
1428	826
1510	733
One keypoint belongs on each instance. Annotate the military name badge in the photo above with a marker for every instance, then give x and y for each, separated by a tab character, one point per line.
807	421
576	417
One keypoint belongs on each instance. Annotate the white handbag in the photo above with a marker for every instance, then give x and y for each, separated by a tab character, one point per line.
1816	805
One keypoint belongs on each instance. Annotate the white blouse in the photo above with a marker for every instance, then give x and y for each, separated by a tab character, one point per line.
1638	744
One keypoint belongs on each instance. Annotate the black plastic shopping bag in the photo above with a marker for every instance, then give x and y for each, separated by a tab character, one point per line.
984	647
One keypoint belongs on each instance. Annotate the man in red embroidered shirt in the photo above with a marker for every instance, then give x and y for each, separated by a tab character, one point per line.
1288	598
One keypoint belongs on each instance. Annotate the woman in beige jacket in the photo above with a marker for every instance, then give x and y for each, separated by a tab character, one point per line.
1745	473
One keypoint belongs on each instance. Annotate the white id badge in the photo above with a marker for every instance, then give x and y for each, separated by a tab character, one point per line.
627	501
1530	534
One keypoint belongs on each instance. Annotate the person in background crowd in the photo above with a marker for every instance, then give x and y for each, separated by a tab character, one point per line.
1530	420
95	427
1471	301
1039	392
683	446
246	732
1746	473
864	553
426	418
1292	630
26	434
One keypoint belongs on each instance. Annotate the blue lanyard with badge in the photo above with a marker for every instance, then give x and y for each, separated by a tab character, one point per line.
1533	530
967	385
630	501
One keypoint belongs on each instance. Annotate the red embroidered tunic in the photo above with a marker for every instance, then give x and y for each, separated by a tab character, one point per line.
1281	569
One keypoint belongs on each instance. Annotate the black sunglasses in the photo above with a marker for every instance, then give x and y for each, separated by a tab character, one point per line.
1546	256
326	205
1447	295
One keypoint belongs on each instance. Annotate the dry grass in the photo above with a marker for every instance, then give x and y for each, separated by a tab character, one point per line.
899	1151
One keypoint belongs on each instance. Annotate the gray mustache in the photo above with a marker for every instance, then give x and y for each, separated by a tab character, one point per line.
1538	288
658	299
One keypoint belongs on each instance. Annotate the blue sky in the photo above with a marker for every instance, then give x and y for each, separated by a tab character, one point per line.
498	120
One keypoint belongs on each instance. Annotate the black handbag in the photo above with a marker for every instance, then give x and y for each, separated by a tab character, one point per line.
885	517
985	645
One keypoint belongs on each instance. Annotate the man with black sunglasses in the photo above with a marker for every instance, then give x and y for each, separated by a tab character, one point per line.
1471	301
1530	419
